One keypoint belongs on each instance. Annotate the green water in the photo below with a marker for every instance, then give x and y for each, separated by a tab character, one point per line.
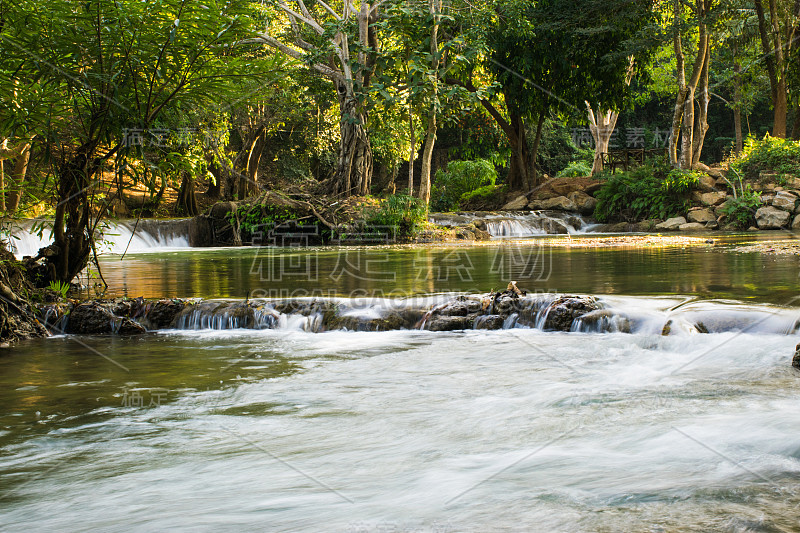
705	271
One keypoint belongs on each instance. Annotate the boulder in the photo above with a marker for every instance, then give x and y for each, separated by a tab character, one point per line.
706	183
692	226
712	198
671	223
771	218
561	203
520	202
796	358
583	202
796	223
94	318
563	311
701	215
785	201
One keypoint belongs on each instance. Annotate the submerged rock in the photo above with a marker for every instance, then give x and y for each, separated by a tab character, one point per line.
94	318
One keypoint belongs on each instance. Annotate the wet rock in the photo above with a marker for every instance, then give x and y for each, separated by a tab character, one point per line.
94	318
161	314
771	218
201	231
796	358
584	203
563	311
701	215
449	323
603	321
520	202
671	223
489	322
785	201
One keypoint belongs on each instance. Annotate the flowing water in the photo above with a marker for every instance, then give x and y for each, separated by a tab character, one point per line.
285	429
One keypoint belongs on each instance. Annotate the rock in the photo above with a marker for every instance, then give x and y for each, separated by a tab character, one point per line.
559	202
752	228
93	318
671	223
520	202
692	226
785	201
583	202
796	223
448	323
706	184
713	224
712	198
720	209
201	231
701	215
563	311
796	358
489	322
771	218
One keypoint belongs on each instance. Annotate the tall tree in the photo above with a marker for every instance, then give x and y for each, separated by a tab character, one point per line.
343	47
779	29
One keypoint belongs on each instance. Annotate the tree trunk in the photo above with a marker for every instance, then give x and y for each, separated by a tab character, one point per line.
796	124
2	186
18	179
781	108
187	203
537	140
354	167
601	133
215	184
412	150
427	155
519	171
701	127
737	107
71	226
248	180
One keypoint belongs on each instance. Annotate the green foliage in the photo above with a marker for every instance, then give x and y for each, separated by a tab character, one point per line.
59	287
576	169
482	194
770	154
400	211
253	218
653	190
741	210
459	178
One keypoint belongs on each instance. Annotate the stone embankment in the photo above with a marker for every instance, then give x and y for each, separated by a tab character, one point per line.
780	207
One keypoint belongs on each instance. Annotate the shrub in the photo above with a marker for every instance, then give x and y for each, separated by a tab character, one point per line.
653	190
741	210
400	211
770	154
482	197
461	177
576	169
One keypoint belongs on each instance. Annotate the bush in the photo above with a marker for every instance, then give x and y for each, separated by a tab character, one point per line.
741	210
576	169
781	156
653	190
400	211
461	177
486	197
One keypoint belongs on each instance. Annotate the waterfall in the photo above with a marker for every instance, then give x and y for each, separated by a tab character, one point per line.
507	224
26	237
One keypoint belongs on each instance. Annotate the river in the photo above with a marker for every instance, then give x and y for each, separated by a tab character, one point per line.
511	430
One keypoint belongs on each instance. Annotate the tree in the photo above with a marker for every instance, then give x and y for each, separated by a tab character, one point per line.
113	66
345	52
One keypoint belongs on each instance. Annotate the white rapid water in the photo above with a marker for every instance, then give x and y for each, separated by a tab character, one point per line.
522	430
28	236
515	224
